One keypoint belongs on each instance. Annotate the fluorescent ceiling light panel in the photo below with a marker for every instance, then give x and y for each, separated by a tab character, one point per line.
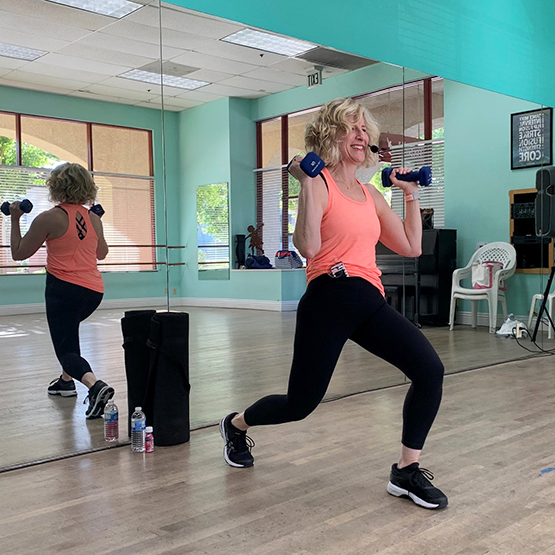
20	52
113	8
169	80
269	42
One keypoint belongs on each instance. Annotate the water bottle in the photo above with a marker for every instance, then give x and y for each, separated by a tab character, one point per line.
111	421
149	439
138	424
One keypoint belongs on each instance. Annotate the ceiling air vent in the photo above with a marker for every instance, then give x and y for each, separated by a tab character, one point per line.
333	58
168	68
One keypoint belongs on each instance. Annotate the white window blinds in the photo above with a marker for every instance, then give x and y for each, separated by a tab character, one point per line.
412	155
17	183
270	208
415	155
128	222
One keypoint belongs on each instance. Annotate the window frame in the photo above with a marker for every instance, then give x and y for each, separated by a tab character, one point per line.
285	235
104	267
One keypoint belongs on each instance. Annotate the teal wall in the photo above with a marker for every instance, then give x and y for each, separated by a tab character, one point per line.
30	288
371	78
503	46
204	140
490	44
218	143
242	160
477	173
478	178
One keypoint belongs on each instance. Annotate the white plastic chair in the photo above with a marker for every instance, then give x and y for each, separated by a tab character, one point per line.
549	307
491	252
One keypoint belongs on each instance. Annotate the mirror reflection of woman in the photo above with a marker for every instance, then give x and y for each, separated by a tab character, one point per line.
74	287
339	223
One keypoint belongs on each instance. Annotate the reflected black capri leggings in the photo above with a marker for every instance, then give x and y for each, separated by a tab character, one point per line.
67	305
336	309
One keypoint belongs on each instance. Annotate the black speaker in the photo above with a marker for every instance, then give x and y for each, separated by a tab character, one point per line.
240	250
545	202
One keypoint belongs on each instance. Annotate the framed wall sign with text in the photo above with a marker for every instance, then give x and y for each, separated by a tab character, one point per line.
531	140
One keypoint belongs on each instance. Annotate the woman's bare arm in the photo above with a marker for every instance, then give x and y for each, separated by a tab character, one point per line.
102	249
24	247
313	199
401	236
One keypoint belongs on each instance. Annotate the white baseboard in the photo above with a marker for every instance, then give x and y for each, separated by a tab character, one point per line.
463	318
160	302
250	304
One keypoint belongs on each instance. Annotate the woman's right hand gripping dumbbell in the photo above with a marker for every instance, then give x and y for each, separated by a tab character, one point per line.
15	210
294	168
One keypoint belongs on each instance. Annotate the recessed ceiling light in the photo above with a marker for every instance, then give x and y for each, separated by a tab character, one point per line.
269	42
169	80
20	52
113	8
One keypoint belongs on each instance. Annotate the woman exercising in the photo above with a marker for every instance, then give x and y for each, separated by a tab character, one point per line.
74	287
339	222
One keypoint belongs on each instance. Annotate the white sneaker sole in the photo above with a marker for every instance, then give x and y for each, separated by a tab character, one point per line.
400	492
63	393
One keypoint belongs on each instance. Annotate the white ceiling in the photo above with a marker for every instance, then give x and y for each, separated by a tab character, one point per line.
87	52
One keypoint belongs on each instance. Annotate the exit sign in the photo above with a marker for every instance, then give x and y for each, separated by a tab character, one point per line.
314	79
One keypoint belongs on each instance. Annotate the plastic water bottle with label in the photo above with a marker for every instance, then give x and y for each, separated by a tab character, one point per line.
138	425
111	421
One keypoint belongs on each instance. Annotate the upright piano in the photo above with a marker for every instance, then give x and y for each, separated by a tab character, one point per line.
420	288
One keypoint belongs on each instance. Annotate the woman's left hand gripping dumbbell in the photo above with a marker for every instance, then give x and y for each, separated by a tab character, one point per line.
15	210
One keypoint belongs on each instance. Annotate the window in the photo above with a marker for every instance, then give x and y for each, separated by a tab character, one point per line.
423	145
411	125
213	227
120	160
277	190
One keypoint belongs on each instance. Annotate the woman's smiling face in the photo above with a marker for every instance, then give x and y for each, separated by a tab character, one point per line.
354	144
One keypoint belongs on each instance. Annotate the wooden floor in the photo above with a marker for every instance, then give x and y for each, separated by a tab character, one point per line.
317	487
236	356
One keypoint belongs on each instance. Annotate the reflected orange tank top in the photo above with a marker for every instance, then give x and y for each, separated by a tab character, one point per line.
72	257
350	230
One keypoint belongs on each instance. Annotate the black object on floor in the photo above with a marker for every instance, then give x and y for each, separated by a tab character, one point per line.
156	348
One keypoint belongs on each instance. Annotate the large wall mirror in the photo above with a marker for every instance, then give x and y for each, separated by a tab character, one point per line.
233	115
73	89
259	101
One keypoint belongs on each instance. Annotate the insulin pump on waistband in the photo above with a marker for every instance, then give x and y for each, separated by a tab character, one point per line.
338	270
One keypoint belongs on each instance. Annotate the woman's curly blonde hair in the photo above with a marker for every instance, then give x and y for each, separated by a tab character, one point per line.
337	117
71	184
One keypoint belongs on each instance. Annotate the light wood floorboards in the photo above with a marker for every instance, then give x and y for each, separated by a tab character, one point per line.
317	487
236	356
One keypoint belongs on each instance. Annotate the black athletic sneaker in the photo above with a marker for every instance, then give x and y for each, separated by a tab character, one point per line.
99	394
238	445
414	482
63	388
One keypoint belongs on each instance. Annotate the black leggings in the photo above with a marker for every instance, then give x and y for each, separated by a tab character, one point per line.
336	309
67	305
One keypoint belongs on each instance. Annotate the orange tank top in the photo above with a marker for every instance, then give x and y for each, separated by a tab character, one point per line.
72	257
350	230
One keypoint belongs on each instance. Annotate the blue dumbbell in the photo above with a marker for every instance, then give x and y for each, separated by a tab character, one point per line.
423	176
26	206
97	209
311	164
